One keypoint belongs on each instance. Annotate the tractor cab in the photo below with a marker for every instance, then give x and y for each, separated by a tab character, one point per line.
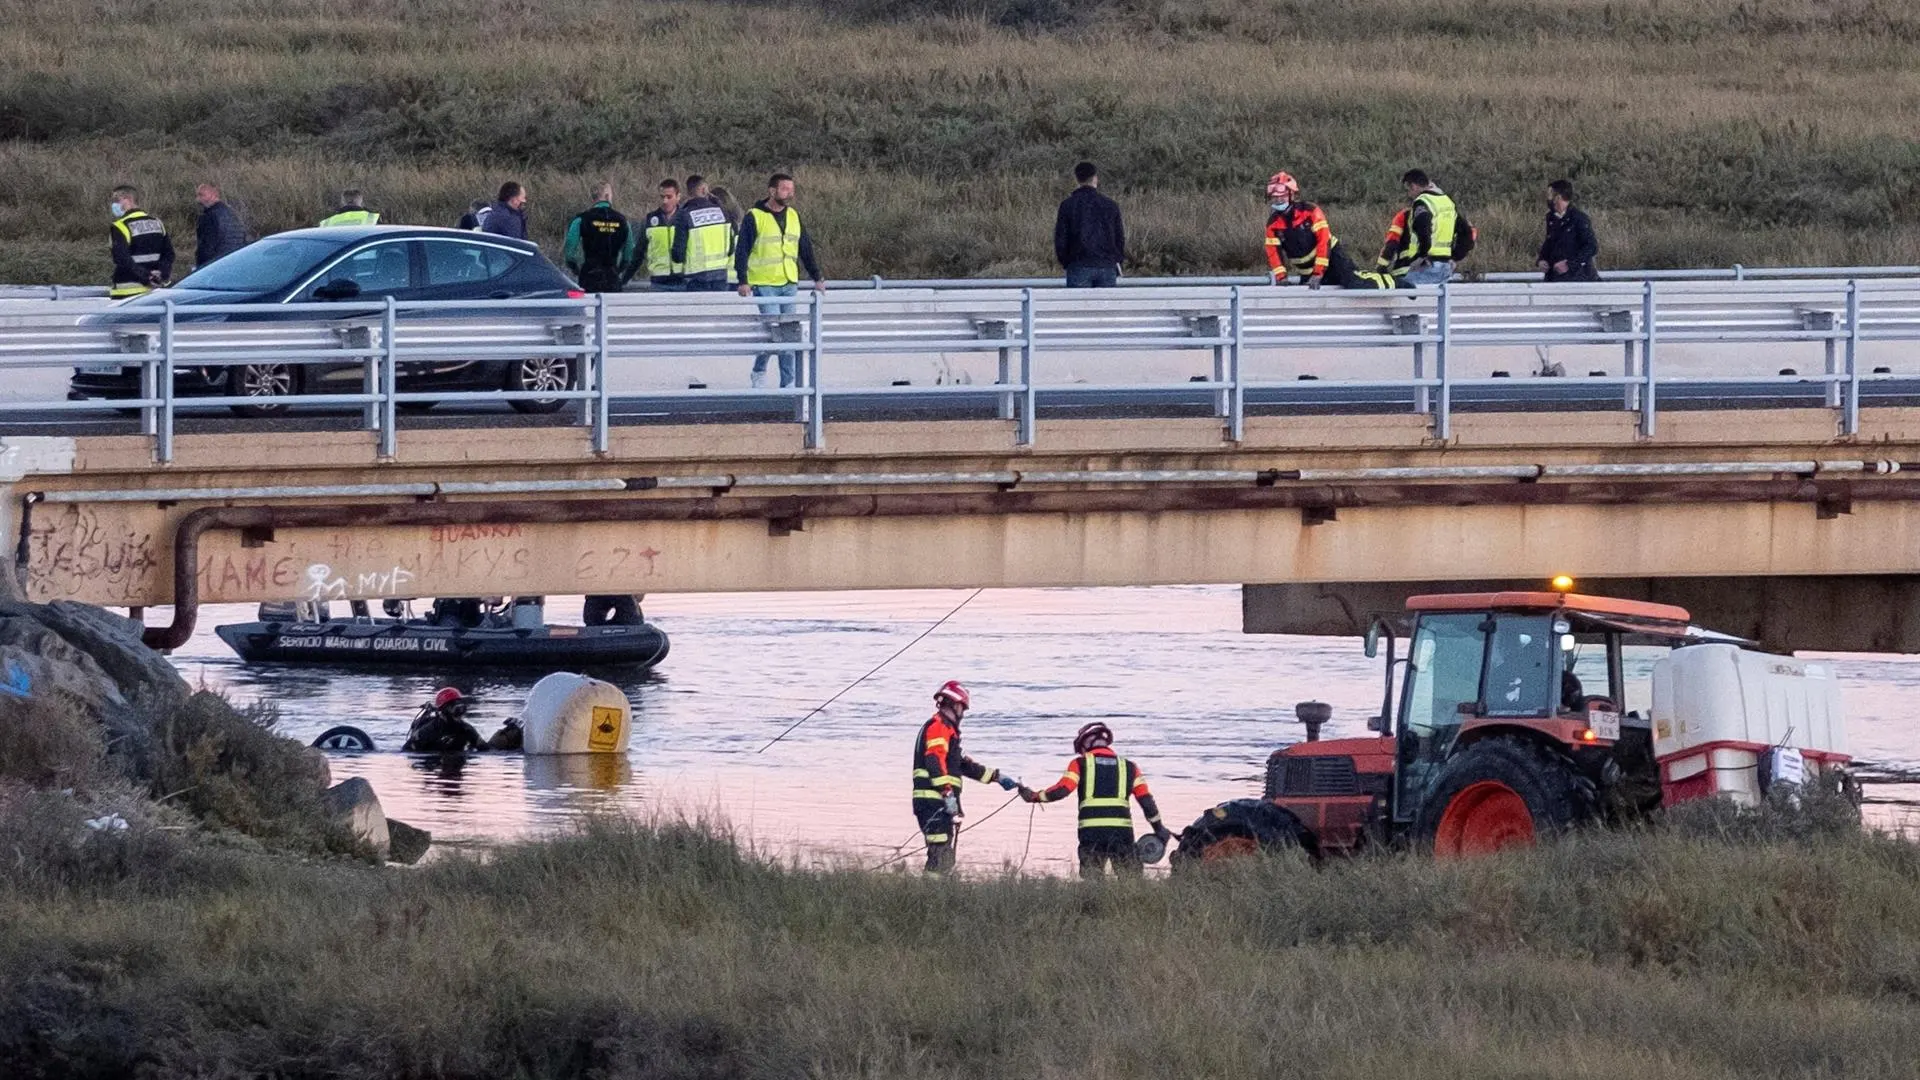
1545	668
1511	713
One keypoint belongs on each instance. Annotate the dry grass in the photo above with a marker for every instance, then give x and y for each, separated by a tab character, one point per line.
932	138
662	952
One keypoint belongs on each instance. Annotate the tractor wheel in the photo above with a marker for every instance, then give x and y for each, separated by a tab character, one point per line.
1240	829
1503	793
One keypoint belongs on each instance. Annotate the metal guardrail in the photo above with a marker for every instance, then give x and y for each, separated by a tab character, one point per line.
1736	272
1018	326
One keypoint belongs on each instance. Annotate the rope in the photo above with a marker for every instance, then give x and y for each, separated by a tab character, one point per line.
817	709
978	821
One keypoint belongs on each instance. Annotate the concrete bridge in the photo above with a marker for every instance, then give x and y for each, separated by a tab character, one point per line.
1750	512
1780	506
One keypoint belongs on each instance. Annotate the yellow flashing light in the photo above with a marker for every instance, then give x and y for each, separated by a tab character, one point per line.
1562	583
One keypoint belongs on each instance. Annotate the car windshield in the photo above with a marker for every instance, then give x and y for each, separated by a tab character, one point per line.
263	266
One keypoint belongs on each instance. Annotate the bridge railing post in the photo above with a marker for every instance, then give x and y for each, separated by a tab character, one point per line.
814	405
1237	391
163	436
1442	366
1850	419
1024	432
1649	342
601	404
389	379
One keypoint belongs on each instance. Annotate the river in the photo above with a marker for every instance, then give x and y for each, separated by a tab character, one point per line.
1195	701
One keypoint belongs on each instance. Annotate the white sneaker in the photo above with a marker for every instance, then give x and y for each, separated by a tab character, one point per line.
757	380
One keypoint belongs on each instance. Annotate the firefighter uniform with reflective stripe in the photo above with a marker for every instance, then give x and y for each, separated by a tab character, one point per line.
350	215
1105	781
656	251
1300	241
938	765
142	254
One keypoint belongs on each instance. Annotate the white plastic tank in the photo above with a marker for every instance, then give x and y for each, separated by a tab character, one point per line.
1720	711
573	714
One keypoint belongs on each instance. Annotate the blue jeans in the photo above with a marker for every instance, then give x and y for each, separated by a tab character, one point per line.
668	285
1434	273
1092	277
789	362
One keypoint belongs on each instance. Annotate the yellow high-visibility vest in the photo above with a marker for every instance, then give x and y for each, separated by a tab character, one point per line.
775	258
1446	218
350	217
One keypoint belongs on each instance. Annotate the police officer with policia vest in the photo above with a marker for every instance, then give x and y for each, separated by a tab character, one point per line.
772	250
1104	781
938	765
1435	236
702	239
142	253
351	211
656	242
600	244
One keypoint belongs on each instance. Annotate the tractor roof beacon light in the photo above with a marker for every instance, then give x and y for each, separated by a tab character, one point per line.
1562	583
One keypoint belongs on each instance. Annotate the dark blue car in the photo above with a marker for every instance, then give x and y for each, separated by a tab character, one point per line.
349	264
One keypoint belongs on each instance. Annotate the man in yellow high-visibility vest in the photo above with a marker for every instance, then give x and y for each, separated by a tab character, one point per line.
772	249
351	211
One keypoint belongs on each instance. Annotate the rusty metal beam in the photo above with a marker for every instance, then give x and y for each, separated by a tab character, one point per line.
790	511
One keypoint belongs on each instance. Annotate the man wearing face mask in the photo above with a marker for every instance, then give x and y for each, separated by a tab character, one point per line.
142	253
1301	242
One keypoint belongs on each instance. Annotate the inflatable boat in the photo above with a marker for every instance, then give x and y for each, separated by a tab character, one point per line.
452	636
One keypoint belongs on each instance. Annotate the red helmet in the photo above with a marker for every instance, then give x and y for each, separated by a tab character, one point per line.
446	696
1283	186
954	692
1094	734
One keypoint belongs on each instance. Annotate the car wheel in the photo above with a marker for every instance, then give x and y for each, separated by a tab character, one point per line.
543	373
263	382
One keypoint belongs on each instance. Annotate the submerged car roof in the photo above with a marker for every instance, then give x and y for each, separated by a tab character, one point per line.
350	234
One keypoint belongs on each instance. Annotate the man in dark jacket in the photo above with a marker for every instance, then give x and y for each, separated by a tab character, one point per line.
600	244
508	214
1088	238
219	231
1568	252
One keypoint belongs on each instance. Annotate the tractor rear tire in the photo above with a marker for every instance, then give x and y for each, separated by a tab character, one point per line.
1243	828
1502	793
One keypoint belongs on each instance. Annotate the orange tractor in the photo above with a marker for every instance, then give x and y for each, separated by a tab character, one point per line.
1524	713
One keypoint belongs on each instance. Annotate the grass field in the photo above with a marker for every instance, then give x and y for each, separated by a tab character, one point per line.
663	952
934	137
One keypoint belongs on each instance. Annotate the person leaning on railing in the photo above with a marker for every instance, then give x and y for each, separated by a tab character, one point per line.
142	253
772	249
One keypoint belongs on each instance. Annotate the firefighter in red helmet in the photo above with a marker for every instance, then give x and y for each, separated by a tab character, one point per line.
1105	782
938	766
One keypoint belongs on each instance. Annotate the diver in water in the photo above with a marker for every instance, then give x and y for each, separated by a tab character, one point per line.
612	611
441	726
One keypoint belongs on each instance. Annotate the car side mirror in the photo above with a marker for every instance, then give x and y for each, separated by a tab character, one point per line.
1373	639
338	289
1377	724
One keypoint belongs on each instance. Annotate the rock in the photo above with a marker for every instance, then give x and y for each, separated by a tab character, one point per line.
113	641
38	666
409	844
353	805
322	771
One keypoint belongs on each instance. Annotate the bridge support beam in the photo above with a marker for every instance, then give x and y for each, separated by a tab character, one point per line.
1832	613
